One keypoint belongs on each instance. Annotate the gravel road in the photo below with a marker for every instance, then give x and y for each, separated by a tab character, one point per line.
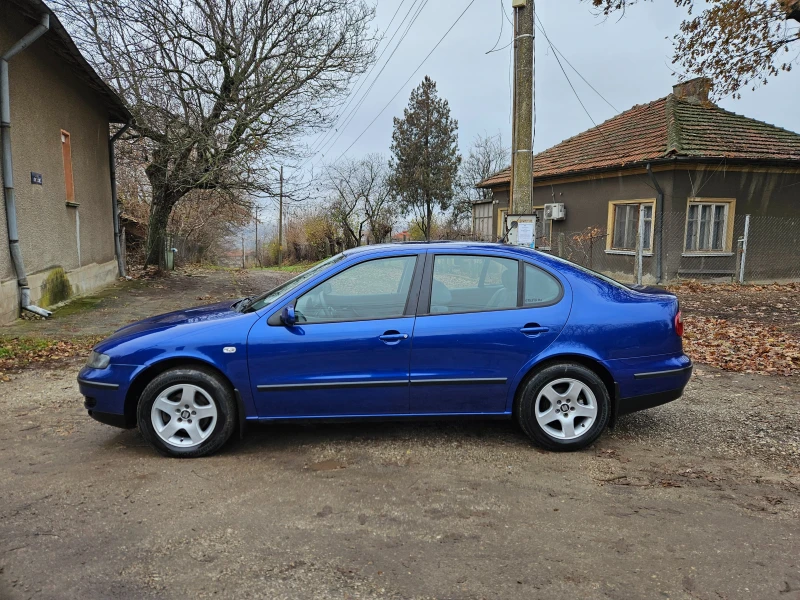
696	499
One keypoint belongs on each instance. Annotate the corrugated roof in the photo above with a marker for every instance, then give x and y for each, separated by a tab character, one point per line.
60	43
662	129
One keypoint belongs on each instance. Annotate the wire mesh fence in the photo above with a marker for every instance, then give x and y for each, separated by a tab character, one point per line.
747	248
673	246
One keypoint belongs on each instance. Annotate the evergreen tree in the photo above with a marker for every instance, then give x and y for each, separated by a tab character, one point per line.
425	159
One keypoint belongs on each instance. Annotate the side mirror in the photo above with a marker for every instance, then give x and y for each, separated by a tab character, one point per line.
288	317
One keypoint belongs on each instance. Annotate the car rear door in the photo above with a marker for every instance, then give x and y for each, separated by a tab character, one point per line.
469	346
349	352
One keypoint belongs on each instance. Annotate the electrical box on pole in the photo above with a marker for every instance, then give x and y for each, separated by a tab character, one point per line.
521	230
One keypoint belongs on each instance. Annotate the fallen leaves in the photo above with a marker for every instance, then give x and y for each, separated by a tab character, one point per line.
742	328
18	352
744	346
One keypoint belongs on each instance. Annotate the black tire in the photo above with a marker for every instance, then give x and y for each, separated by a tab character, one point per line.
219	392
529	392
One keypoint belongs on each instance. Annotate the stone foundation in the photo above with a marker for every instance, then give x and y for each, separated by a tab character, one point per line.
55	285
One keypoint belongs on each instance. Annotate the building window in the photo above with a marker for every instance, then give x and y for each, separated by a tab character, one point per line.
66	154
482	220
709	225
623	225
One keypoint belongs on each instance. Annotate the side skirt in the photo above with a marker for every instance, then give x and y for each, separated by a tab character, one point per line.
387	417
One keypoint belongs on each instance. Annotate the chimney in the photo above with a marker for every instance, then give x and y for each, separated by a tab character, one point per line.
694	91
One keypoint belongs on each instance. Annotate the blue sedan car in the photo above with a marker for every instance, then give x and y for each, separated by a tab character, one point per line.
402	330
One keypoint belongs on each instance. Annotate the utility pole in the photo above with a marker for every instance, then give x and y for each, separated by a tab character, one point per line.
258	258
280	222
521	200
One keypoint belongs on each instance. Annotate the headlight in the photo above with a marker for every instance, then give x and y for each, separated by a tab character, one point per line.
97	360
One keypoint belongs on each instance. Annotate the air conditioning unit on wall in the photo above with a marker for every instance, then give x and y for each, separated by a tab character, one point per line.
555	212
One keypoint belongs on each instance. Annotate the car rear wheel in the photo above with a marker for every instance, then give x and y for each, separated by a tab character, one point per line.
187	412
564	407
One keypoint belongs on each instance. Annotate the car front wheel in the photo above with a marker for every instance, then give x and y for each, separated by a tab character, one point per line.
564	407
186	413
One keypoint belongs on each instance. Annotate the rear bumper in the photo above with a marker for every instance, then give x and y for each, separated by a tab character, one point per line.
643	402
630	405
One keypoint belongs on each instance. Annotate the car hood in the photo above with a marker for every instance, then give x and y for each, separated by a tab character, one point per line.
191	316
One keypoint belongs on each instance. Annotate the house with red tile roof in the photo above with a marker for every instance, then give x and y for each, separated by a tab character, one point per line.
691	169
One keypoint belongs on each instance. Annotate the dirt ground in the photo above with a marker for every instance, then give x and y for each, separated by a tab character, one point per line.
698	499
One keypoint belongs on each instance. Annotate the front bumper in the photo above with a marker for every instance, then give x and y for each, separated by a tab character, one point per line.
104	392
112	419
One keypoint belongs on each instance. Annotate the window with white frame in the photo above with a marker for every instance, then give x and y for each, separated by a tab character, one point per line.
624	225
708	225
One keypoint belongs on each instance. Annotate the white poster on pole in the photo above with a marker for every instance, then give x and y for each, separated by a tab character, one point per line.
525	234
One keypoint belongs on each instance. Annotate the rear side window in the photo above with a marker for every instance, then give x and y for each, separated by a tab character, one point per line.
473	283
540	287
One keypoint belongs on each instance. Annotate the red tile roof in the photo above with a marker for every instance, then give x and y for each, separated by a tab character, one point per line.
662	129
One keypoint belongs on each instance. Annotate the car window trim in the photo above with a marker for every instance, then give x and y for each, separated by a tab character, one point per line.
427	283
556	300
274	319
416	281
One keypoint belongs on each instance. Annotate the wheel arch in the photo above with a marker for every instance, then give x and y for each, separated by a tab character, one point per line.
145	376
589	362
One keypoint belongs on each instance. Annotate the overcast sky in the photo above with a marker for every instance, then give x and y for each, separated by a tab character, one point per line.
626	60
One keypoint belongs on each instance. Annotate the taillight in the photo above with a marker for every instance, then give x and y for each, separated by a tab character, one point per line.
679	324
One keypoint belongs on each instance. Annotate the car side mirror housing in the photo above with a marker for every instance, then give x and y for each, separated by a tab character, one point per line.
288	316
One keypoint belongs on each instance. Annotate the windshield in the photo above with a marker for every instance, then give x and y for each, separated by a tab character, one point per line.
275	293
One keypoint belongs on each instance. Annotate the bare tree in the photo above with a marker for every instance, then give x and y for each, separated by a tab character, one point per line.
361	198
221	89
487	155
737	43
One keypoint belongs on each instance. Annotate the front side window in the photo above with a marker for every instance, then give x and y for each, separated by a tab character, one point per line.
625	225
473	283
275	293
376	289
707	227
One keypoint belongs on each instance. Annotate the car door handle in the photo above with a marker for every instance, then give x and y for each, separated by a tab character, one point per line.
393	337
534	329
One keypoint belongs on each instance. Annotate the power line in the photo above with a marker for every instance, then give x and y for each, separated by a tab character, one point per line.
351	116
364	80
557	51
500	35
409	78
574	91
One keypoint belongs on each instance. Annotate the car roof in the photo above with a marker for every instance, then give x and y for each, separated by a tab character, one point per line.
440	245
522	252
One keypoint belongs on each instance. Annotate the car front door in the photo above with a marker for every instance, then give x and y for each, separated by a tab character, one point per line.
481	319
348	352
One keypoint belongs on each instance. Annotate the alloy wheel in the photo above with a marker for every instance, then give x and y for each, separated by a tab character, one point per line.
566	408
184	415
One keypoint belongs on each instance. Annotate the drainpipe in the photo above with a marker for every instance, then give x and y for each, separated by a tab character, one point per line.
8	176
660	227
114	202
